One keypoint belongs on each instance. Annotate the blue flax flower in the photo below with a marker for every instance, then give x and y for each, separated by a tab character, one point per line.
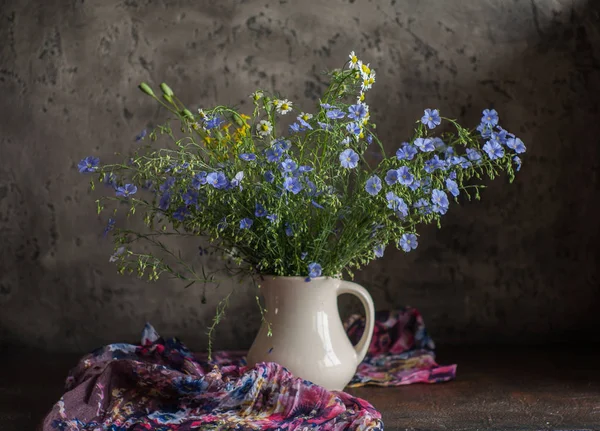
274	154
305	168
288	166
473	155
517	161
489	117
126	190
316	205
406	152
89	164
292	184
248	157
110	179
303	255
485	131
516	144
404	176
325	126
190	197
167	184
378	250
269	177
391	177
314	270
439	145
397	204
440	202
199	180
259	210
353	128
494	150
236	181
180	213
109	226
357	112
452	187
452	175
349	158
288	230
373	185
294	128
431	118
424	144
272	218
217	180
304	125
408	242
423	206
212	122
141	135
335	114
165	201
246	223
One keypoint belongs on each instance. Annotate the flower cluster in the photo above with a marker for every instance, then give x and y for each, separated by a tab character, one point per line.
302	201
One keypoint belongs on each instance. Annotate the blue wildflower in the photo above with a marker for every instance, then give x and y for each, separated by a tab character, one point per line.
236	181
316	205
324	126
314	270
141	135
269	177
246	223
181	167
349	159
212	122
391	177
373	185
440	202
259	210
424	144
126	190
305	168
397	204
272	218
353	128
408	242
369	138
303	255
494	150
311	188
288	230
288	166
89	164
180	213
190	197
199	180
452	175
217	179
434	164
304	125
438	144
406	152
448	151
167	184
294	128
109	179
452	187
274	154
414	185
485	131
109	226
357	112
327	106
165	201
335	114
489	118
292	184
473	155
517	161
431	118
248	157
516	144
346	141
378	250
500	137
423	206
405	177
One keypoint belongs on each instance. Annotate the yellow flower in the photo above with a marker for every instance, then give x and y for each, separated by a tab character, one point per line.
305	116
353	60
364	68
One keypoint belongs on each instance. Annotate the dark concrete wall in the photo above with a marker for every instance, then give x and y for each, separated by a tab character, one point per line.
520	266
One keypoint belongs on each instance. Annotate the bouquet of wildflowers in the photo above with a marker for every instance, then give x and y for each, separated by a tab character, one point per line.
295	197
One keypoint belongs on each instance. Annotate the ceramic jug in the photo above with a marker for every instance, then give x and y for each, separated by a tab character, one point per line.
308	337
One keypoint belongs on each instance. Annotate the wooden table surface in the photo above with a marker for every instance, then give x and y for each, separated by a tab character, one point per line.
503	388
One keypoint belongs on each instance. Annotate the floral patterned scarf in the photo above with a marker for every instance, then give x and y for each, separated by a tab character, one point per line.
160	385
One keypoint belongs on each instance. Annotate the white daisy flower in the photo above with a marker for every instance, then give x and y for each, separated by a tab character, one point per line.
283	106
257	95
365	70
346	141
305	116
201	113
353	60
264	128
368	81
361	97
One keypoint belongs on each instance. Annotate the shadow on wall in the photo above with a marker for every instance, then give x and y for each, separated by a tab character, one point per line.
520	266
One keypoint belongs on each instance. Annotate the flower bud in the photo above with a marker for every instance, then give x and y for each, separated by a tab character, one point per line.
187	113
146	89
166	89
238	120
168	98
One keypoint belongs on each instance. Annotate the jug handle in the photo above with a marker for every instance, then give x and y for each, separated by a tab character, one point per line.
362	347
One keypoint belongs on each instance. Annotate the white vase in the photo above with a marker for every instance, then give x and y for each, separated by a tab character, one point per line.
308	337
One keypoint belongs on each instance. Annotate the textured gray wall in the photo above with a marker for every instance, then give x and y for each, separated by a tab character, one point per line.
520	266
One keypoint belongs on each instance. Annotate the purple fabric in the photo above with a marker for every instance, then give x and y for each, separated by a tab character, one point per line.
160	385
